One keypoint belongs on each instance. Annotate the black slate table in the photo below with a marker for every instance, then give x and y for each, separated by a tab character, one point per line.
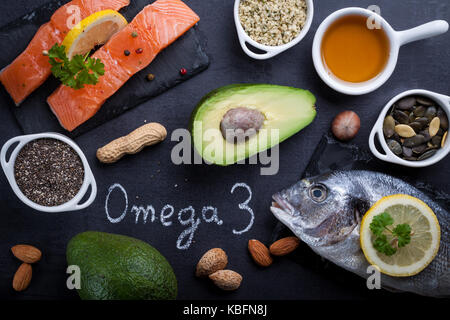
150	178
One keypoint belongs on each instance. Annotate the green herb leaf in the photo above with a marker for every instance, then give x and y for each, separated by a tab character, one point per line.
382	245
78	71
401	234
380	222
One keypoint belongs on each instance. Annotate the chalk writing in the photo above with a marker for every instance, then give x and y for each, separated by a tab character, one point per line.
214	216
244	206
189	231
186	216
124	212
144	211
167	216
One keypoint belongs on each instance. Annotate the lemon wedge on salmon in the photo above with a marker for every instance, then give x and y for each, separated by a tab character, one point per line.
425	236
92	31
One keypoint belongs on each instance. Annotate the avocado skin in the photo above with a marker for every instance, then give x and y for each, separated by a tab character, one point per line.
233	88
117	267
230	89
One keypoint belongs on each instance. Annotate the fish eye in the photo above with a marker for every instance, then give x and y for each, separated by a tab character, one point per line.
318	193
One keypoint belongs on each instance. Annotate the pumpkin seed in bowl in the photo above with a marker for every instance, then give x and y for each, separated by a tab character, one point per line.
415	128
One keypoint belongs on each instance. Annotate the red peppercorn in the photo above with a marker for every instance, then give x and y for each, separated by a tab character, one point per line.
183	71
139	50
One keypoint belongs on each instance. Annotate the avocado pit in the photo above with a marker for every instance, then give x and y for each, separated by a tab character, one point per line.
241	123
278	112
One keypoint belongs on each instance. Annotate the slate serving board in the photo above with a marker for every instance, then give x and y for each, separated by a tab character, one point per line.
35	116
331	155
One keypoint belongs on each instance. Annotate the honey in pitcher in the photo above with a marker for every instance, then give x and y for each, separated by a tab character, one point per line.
353	52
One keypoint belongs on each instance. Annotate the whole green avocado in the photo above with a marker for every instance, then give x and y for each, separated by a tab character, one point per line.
117	267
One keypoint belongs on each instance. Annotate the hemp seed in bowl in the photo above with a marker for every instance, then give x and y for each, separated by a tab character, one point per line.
48	172
273	22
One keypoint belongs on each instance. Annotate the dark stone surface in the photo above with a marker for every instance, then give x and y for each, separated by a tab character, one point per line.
151	178
34	114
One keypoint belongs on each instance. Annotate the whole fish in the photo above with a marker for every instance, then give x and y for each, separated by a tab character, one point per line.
325	213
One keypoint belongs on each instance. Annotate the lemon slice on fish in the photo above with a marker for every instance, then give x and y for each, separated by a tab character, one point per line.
92	31
425	236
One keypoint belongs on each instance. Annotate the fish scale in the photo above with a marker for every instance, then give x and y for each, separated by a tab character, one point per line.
351	193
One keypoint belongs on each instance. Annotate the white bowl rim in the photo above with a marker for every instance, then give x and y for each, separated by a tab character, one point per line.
271	51
347	87
442	100
71	205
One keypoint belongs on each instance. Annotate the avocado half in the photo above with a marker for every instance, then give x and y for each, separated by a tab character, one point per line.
286	109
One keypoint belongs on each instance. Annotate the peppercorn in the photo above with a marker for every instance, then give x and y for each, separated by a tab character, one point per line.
150	77
183	71
45	53
127	52
139	50
134	34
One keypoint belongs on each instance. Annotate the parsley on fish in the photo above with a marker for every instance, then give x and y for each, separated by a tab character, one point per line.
76	72
400	236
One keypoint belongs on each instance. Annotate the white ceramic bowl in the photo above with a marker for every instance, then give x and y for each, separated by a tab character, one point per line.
271	51
8	168
377	131
396	39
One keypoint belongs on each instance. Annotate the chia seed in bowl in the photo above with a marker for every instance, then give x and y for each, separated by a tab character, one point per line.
49	172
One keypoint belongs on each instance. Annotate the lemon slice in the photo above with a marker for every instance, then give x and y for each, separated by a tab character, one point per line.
425	236
94	30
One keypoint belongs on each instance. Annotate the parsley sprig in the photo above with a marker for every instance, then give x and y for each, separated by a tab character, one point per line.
76	72
387	239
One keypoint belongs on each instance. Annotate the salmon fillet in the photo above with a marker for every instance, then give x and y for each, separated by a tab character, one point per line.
157	26
31	68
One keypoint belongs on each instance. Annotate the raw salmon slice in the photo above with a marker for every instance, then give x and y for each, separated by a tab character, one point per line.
31	68
157	26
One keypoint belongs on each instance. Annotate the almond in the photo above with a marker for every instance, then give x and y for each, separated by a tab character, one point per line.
227	280
212	261
26	253
284	246
22	278
259	253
